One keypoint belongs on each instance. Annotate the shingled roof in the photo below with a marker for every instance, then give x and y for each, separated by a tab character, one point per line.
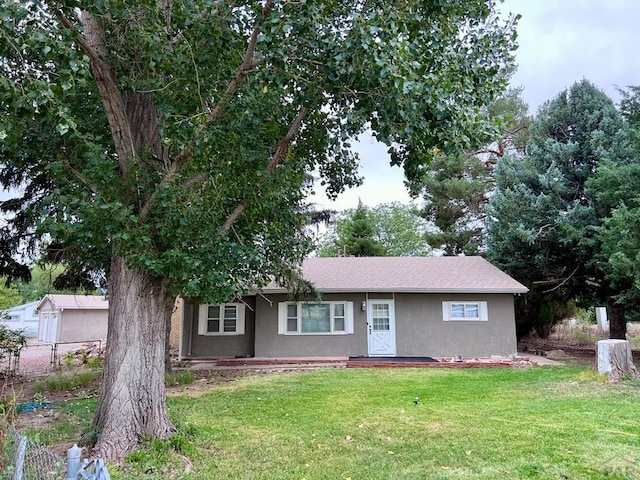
406	274
75	302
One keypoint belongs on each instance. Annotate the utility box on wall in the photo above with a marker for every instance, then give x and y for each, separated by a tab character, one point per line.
72	318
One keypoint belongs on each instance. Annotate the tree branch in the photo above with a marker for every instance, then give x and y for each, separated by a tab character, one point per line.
546	225
278	155
81	177
563	281
94	44
64	21
110	93
246	67
193	180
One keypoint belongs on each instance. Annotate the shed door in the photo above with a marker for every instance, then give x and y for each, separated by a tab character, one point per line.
43	326
48	331
381	324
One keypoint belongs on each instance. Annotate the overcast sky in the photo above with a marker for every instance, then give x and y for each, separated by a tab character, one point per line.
560	42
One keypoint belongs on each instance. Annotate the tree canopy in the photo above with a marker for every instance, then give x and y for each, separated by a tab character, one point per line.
456	188
616	186
169	144
392	229
455	192
545	213
9	297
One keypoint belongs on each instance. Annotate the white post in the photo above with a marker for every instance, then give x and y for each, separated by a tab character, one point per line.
22	451
601	319
73	461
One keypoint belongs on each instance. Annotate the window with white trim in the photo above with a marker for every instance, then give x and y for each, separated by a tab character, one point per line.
223	319
323	318
464	311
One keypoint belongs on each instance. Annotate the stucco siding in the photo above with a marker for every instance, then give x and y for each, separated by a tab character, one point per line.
223	346
421	330
82	325
270	344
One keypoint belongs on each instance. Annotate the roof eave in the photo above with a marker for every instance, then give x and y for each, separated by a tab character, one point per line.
408	290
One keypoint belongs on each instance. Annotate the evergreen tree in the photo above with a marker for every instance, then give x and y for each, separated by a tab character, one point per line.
456	188
398	228
615	186
543	218
455	192
359	236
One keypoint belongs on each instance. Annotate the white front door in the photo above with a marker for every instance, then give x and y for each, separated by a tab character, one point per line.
381	323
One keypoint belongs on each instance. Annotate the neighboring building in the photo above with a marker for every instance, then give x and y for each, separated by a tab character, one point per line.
176	319
370	306
22	317
72	318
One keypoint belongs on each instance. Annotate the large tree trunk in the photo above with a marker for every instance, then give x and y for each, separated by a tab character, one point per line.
617	320
132	396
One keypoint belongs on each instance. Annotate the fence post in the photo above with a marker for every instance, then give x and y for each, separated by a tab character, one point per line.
94	470
54	356
21	453
73	461
16	361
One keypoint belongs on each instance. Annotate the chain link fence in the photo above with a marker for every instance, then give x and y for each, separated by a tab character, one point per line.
35	358
23	459
9	360
38	358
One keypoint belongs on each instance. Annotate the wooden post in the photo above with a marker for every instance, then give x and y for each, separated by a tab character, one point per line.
614	359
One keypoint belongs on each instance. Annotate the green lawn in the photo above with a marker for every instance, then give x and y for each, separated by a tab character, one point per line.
538	423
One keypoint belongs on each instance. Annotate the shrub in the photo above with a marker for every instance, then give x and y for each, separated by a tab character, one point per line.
68	381
182	377
11	341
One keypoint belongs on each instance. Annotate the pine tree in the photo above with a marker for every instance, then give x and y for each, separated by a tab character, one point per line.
359	236
543	218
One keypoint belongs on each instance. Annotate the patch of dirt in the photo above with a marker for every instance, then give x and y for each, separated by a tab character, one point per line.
571	343
205	379
21	391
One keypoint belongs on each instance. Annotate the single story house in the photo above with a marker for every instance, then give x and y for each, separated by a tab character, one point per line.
22	317
72	318
370	306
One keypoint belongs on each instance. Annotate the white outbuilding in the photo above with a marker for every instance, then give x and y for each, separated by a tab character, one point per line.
72	318
22	317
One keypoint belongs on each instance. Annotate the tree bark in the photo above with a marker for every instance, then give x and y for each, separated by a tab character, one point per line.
132	395
617	319
615	359
110	94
